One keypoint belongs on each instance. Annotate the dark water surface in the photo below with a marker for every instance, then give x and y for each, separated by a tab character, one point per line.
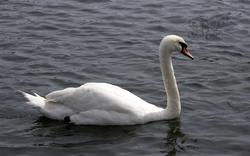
52	44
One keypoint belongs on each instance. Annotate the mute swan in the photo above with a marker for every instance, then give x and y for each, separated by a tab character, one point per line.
107	104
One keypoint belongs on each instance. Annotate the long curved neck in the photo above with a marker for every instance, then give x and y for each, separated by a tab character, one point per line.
173	98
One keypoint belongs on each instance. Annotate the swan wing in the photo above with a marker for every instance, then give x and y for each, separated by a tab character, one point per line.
99	96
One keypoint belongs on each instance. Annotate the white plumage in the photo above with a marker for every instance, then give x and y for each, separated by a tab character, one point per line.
107	104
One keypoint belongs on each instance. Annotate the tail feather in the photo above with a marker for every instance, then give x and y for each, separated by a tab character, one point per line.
36	100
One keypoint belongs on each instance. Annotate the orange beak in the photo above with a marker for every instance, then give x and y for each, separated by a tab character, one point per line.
185	52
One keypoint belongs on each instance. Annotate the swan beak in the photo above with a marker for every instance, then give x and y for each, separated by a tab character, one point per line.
185	52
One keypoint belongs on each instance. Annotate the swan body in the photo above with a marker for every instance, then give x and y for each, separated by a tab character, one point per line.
107	104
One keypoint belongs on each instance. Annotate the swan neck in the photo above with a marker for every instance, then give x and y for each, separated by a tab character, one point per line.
172	92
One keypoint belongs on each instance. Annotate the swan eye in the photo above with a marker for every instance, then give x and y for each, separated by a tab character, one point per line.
183	45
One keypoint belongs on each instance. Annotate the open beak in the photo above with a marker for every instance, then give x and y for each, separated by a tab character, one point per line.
184	51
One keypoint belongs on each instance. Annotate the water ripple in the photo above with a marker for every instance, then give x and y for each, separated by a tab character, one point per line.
49	45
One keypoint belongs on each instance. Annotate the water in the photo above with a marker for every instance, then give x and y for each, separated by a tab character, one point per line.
52	44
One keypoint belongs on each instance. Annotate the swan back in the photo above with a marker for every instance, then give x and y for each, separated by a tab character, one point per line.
100	103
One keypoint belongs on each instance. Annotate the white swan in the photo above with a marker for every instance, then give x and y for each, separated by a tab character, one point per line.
106	104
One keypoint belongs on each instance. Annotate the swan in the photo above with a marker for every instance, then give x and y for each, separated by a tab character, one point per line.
107	104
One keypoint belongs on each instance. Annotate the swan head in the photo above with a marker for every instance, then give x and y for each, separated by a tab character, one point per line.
173	43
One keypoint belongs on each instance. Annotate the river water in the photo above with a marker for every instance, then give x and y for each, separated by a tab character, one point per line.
52	44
